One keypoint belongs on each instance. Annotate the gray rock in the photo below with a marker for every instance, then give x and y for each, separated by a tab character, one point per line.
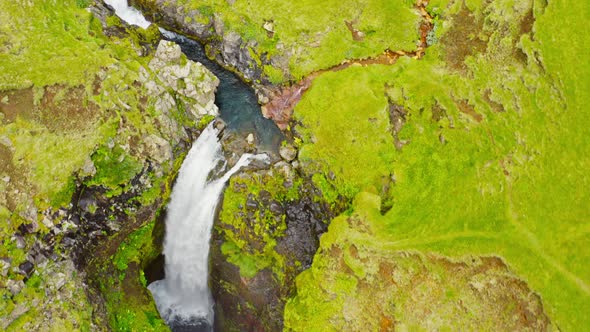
269	26
250	139
15	286
20	241
18	311
276	208
288	152
251	203
88	169
47	222
32	227
285	168
194	84
26	268
5	266
220	125
168	51
158	148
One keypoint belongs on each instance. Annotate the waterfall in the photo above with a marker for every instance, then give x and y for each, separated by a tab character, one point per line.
183	296
128	13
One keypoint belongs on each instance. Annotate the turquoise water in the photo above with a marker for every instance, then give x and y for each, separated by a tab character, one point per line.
237	102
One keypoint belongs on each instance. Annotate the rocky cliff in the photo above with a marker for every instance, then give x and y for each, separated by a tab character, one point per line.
87	158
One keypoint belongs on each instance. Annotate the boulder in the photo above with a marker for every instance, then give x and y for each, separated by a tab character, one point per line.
250	139
193	84
168	51
26	268
158	148
15	286
288	152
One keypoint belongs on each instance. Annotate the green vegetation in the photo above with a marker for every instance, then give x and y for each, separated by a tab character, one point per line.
358	283
251	233
475	221
113	168
353	132
129	305
494	165
314	34
73	113
69	37
36	301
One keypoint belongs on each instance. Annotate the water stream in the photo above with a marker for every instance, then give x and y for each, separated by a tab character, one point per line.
237	102
128	13
183	297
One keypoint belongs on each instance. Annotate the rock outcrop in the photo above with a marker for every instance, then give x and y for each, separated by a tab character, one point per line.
227	47
267	233
192	85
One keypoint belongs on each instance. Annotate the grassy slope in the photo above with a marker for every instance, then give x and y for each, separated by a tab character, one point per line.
315	32
511	185
82	101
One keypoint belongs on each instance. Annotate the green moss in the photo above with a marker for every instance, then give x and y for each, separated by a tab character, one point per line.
74	53
352	130
204	121
134	311
113	21
114	168
316	31
274	75
138	248
479	179
251	247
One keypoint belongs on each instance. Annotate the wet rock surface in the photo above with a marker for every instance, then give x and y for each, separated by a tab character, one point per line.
292	228
228	48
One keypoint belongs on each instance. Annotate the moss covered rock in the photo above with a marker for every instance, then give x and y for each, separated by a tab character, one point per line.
268	231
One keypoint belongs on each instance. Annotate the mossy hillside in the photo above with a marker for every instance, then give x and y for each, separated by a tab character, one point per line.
117	270
50	138
44	42
500	172
73	114
311	34
34	309
345	116
357	283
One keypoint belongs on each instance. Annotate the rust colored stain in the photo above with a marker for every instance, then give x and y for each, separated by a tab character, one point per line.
284	100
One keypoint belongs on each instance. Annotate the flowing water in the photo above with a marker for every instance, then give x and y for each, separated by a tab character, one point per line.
183	297
128	13
238	105
237	102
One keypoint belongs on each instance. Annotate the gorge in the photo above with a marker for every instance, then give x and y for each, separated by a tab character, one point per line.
183	297
426	170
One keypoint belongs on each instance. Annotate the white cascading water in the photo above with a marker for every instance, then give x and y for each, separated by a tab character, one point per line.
183	295
128	13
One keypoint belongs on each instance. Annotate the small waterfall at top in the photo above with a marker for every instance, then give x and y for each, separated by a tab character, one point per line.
128	13
183	297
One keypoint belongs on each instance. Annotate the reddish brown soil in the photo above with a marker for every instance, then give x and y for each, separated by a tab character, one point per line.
283	101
